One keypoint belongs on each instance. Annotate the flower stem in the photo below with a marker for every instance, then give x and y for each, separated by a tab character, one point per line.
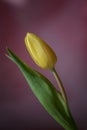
63	94
59	82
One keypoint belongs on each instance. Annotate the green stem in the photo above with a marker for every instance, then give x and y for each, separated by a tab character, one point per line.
63	93
60	85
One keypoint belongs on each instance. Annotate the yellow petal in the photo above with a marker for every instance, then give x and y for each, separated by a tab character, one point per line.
41	53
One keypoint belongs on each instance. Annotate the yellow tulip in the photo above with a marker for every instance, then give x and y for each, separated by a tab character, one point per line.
41	53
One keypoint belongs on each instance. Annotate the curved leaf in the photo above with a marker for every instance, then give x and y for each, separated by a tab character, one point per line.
46	93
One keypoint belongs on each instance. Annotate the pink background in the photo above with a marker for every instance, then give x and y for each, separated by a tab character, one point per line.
63	24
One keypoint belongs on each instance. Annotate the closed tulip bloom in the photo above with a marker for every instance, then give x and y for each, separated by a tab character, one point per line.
41	53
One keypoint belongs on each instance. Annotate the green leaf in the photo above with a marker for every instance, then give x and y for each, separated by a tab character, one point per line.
46	93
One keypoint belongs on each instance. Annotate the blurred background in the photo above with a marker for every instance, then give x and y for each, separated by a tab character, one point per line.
61	23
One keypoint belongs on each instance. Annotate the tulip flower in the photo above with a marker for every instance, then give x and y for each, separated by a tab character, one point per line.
40	51
53	100
44	56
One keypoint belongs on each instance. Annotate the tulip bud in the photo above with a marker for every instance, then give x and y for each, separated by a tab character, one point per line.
41	53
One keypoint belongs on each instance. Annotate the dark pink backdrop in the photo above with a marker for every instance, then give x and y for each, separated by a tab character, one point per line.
63	24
